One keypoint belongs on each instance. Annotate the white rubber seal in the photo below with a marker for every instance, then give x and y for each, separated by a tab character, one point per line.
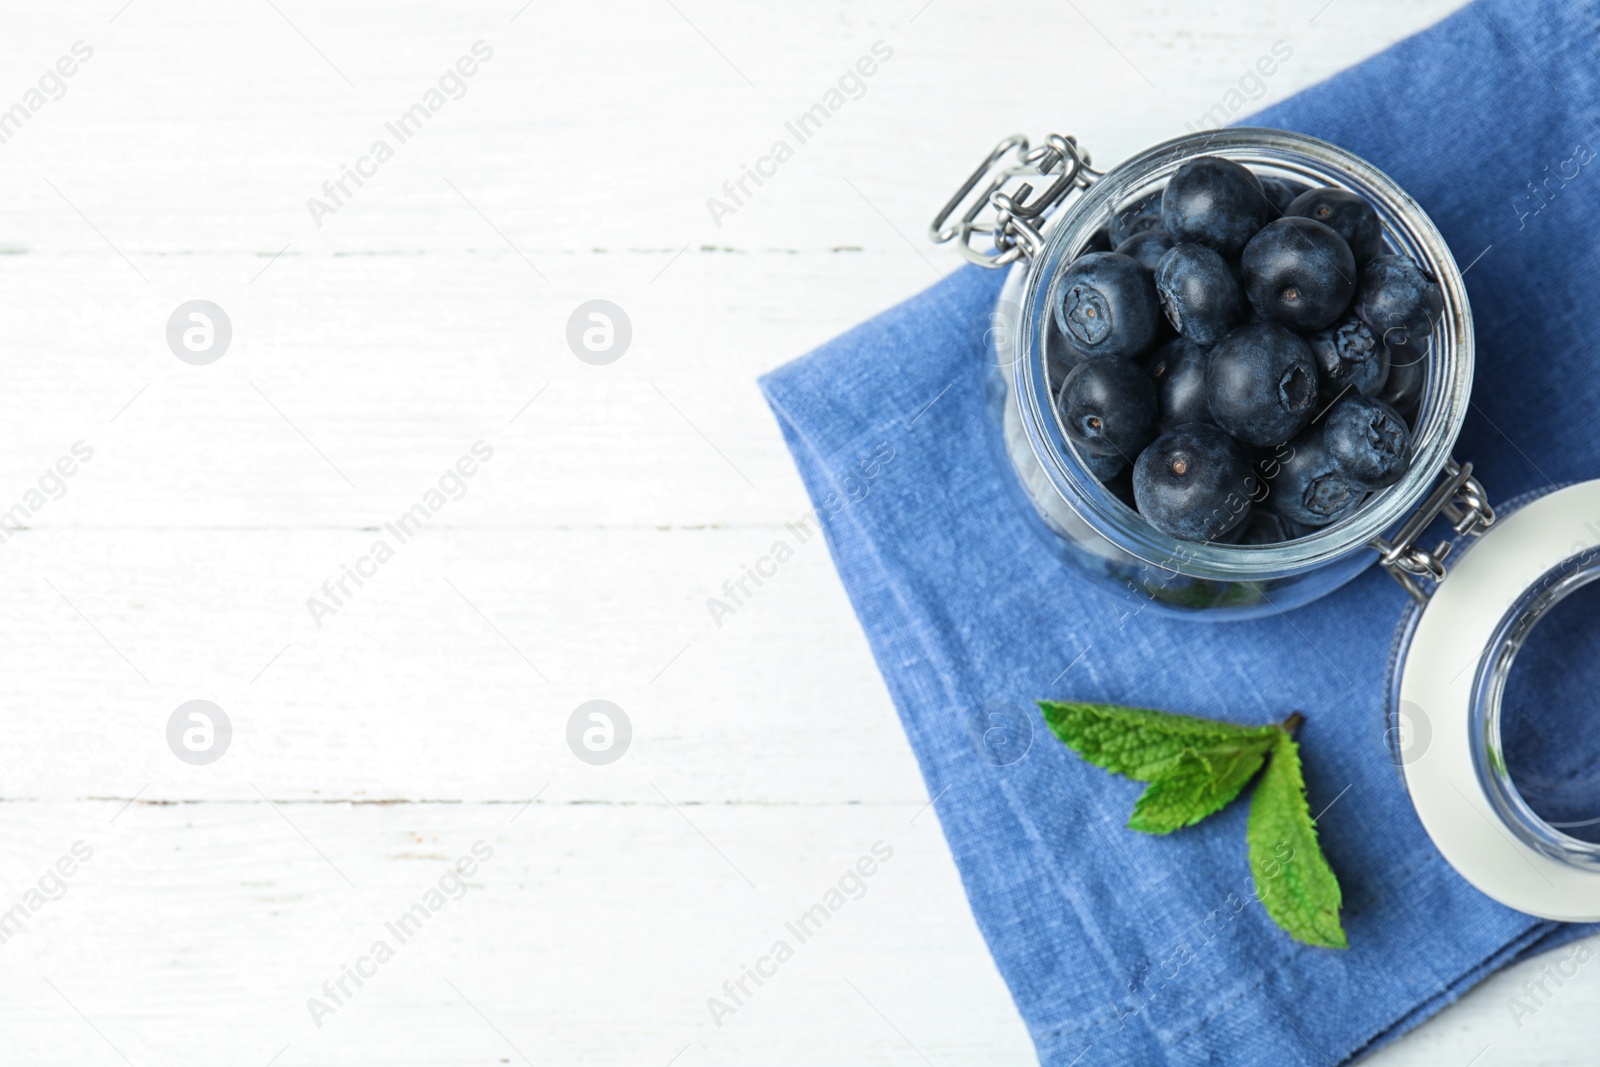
1436	683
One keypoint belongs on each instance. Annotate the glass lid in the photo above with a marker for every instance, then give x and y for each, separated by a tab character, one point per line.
1499	778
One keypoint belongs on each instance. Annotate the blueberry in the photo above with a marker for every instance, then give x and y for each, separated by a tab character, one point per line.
1347	215
1408	373
1104	468
1179	370
1105	304
1193	483
1298	272
1216	202
1367	440
1099	241
1138	217
1121	487
1108	407
1349	359
1308	487
1059	358
1398	300
1280	193
1261	384
1232	536
1269	528
1147	247
1198	293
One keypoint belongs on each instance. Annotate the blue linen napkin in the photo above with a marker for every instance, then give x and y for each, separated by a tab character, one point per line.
1124	948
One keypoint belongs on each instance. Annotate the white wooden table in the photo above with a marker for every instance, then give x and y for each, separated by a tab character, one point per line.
375	744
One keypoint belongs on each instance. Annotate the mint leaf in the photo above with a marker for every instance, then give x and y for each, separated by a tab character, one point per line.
1194	767
1293	879
1196	784
1140	743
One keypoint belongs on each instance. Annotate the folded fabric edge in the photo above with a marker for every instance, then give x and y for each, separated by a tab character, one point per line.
890	644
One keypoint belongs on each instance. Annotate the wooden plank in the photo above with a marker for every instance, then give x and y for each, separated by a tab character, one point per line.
593	933
449	674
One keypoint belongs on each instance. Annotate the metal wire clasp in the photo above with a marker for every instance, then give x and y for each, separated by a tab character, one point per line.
1015	228
1458	497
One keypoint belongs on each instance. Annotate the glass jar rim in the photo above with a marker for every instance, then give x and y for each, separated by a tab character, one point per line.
1443	405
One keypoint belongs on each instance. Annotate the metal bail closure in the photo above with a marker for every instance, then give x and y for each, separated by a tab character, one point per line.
1015	230
1459	498
1450	684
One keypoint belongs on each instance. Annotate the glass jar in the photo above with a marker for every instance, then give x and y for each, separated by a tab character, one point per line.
1089	526
1038	211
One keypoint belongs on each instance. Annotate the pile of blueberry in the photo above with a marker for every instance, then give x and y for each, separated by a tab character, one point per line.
1236	357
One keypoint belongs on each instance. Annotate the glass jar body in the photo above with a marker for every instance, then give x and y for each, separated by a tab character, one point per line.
1103	538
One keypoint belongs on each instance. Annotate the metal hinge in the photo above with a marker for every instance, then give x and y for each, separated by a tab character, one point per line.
1458	497
1015	231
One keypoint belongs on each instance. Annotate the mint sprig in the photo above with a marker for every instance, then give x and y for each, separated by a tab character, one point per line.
1193	767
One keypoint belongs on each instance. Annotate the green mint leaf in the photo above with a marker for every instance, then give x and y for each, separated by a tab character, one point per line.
1196	784
1194	767
1139	743
1293	879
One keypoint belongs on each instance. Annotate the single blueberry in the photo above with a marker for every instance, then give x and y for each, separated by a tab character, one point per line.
1121	487
1347	215
1179	370
1147	247
1398	300
1349	359
1099	241
1231	537
1269	528
1298	272
1198	293
1261	384
1193	483
1059	358
1105	304
1280	193
1368	441
1138	217
1216	202
1308	487
1108	407
1104	468
1408	374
